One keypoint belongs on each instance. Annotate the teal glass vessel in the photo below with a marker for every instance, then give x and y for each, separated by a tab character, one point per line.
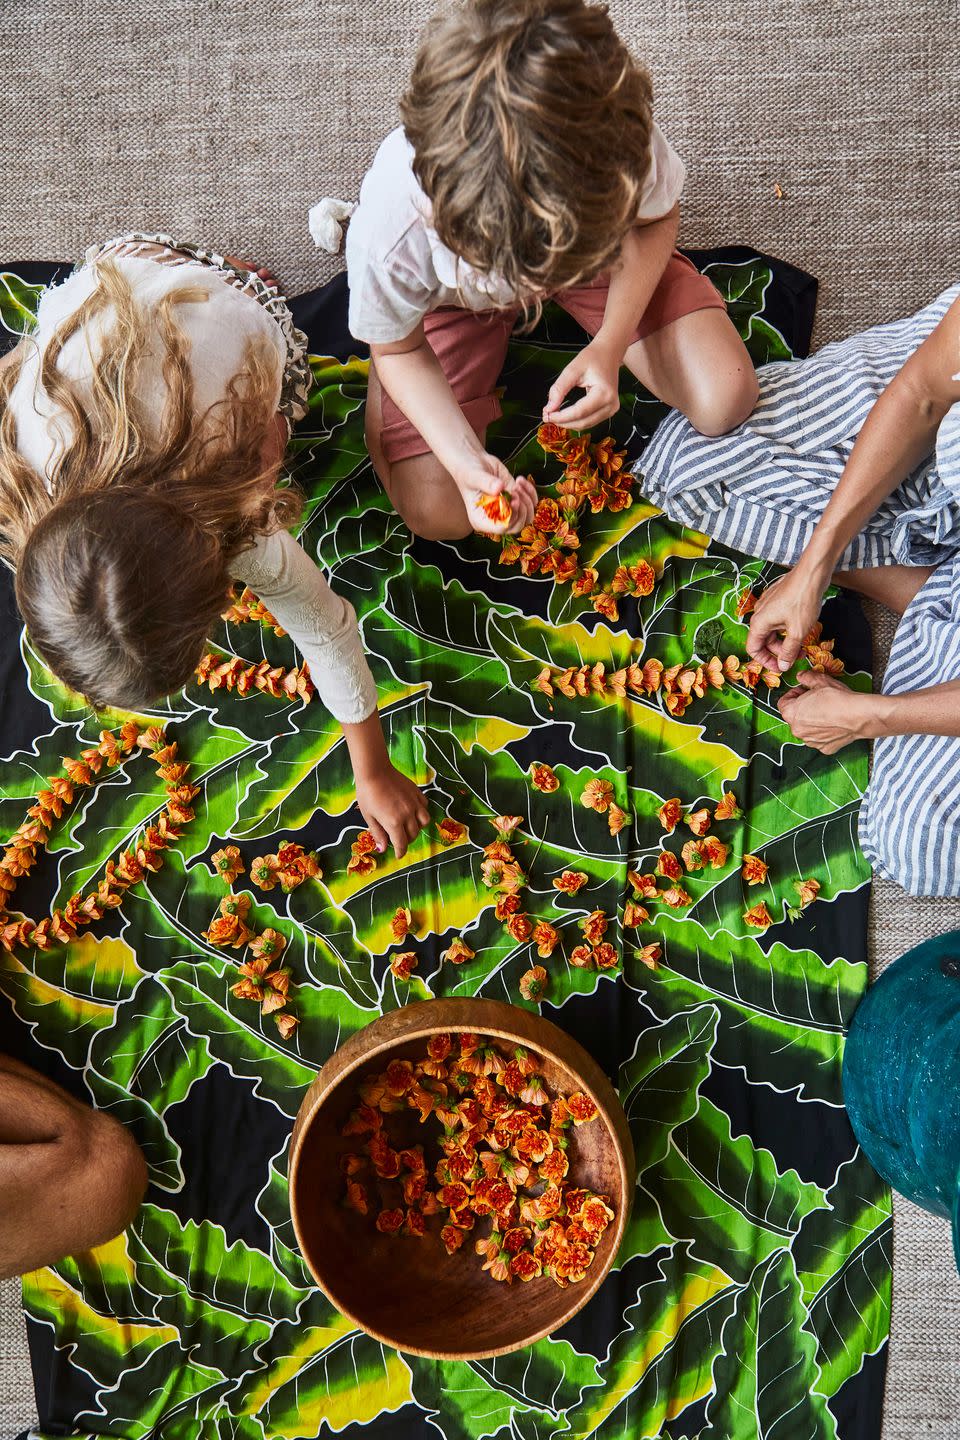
901	1077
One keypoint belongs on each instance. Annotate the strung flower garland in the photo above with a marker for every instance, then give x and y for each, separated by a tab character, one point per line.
132	865
225	672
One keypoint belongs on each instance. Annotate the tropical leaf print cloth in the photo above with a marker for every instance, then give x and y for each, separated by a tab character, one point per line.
750	1300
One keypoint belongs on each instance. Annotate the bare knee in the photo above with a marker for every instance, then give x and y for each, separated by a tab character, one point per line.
719	407
427	499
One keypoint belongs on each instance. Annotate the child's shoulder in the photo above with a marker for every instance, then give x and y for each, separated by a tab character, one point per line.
391	204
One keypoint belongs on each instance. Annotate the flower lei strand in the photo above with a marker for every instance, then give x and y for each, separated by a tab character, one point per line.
145	855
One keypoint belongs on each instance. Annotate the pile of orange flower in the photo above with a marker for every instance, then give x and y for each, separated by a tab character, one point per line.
594	475
504	1147
248	607
145	855
262	978
225	672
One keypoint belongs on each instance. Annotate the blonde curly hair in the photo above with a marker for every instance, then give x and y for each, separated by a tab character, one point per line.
530	123
122	555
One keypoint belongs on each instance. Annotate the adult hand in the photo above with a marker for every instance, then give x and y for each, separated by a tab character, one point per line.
393	807
827	715
597	370
786	613
485	475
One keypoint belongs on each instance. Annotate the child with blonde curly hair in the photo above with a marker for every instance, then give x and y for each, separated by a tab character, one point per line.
143	423
528	166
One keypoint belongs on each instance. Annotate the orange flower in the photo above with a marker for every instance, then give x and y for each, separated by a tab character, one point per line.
506	825
605	956
676	897
286	1024
544	681
699	821
546	517
714	851
808	890
753	870
458	952
582	1108
622	581
746	602
497	508
759	916
581	956
543	778
585	582
507	905
634	914
594	926
649	955
228	930
295	865
533	984
617	819
669	866
570	881
520	927
597	795
677	705
402	922
731	668
546	938
644	885
692	855
450	831
564	568
606	605
356	865
499	850
502	875
228	864
268	945
265	871
728	809
669	815
553	439
820	658
403	964
644	578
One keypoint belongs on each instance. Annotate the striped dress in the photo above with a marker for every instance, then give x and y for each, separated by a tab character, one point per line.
762	488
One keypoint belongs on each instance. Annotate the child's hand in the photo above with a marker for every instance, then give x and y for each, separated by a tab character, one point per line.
485	475
597	370
393	807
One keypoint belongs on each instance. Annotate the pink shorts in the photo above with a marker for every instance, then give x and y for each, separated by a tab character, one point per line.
472	345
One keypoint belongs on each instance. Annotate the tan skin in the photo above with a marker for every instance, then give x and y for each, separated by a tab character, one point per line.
899	433
70	1178
698	364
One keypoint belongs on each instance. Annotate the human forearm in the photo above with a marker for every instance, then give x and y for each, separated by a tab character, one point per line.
643	259
932	711
418	387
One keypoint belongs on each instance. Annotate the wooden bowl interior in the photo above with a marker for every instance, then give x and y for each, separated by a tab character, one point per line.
410	1292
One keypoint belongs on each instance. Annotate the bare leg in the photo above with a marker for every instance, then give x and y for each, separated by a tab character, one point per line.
893	586
698	365
70	1178
420	489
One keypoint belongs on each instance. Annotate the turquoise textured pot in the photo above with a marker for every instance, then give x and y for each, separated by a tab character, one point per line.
901	1076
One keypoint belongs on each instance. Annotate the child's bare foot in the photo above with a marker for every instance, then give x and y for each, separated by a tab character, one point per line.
264	273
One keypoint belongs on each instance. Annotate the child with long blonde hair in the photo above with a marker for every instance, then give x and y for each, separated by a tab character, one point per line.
142	428
528	166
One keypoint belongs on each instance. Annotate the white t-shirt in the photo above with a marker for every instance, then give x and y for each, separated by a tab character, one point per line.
321	623
398	268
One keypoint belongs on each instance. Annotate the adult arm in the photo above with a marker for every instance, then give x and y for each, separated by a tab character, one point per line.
898	434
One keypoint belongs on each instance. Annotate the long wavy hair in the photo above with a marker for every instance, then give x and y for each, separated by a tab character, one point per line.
530	123
122	554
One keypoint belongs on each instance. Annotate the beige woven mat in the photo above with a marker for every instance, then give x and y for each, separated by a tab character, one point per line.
226	120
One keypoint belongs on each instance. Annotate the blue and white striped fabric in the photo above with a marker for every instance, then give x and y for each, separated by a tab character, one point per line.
762	488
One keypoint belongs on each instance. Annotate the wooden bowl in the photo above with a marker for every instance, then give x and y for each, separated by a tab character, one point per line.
407	1292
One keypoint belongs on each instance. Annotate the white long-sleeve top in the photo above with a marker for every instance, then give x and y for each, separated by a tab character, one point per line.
321	623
